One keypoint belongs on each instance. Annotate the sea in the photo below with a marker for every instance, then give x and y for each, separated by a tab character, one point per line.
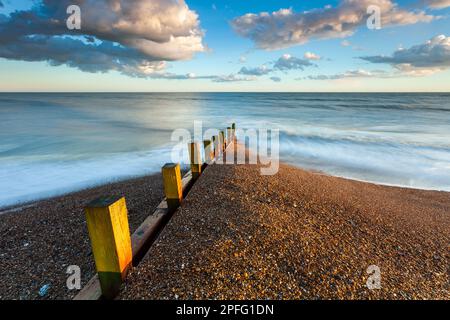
54	143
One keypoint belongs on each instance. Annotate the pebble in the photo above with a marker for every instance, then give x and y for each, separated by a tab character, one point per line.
258	250
43	238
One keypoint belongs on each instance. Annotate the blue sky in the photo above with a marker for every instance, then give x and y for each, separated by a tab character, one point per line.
226	50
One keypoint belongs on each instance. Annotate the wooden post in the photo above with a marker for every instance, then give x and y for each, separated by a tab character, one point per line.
196	159
233	127
229	135
107	221
215	140
209	152
222	141
172	185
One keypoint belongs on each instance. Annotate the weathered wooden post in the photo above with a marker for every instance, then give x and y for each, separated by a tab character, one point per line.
172	185
196	159
233	127
215	140
222	141
107	221
229	135
209	152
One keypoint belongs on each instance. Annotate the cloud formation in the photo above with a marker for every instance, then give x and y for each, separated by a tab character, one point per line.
437	4
132	37
258	71
311	56
285	63
285	28
419	60
232	78
360	73
423	59
288	62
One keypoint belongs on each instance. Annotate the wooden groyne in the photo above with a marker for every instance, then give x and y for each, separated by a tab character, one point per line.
115	250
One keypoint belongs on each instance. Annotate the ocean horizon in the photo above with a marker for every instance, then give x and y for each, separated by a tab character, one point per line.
55	143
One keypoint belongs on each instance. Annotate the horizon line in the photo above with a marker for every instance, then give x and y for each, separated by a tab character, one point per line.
141	92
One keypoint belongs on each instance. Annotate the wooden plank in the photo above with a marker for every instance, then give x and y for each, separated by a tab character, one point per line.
91	291
141	240
144	236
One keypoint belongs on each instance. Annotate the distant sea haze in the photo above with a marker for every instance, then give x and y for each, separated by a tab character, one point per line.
56	143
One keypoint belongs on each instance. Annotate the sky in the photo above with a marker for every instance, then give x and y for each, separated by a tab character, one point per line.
200	45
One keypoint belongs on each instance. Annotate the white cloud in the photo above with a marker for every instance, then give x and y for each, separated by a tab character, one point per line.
233	78
419	60
132	37
360	73
288	62
311	56
285	63
285	28
438	4
258	71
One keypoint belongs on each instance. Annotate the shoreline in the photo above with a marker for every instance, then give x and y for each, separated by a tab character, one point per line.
5	209
14	208
40	239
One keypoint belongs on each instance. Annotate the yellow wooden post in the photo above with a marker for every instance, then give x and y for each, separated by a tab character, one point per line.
222	141
209	152
172	185
107	221
215	140
196	159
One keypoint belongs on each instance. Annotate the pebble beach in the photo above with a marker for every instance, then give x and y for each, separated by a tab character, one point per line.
239	235
40	240
297	235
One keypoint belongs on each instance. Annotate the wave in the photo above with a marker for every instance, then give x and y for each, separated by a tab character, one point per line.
38	178
398	164
56	143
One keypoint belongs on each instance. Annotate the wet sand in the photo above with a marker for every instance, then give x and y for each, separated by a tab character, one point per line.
297	235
